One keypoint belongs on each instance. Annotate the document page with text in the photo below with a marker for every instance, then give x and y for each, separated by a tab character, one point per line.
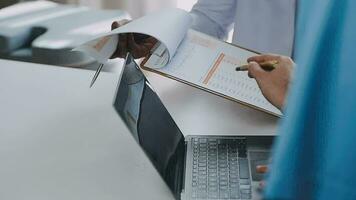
209	64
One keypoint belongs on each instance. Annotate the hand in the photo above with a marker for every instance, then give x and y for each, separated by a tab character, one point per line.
139	45
273	84
262	169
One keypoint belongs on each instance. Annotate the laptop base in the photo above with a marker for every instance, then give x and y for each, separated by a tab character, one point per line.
223	167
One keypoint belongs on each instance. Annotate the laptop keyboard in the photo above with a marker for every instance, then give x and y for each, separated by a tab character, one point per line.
220	169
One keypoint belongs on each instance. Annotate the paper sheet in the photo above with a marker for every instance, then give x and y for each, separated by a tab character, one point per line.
168	26
210	63
100	49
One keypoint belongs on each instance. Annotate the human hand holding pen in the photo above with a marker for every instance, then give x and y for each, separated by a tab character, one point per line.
267	66
139	45
273	84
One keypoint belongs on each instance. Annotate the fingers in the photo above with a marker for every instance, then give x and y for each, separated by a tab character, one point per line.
117	24
261	169
264	58
261	186
136	50
114	25
122	47
255	70
127	43
123	43
121	50
151	40
141	49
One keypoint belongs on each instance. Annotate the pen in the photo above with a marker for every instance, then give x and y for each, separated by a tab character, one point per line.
268	66
139	38
96	74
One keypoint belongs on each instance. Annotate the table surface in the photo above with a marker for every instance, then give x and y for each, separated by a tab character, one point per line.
61	140
198	112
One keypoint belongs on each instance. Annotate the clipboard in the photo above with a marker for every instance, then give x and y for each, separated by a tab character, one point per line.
206	89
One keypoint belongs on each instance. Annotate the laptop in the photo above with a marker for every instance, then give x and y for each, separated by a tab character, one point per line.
196	166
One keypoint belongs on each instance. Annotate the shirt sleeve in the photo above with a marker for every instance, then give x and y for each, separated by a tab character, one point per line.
214	17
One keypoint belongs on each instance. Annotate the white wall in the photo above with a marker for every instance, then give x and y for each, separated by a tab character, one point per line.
136	8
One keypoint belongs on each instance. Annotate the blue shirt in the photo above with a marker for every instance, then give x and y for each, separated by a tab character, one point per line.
315	155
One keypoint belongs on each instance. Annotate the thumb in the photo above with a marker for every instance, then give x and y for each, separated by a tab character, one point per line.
114	25
255	70
262	169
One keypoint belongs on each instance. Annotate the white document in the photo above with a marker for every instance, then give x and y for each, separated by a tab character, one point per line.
168	26
210	64
188	56
100	49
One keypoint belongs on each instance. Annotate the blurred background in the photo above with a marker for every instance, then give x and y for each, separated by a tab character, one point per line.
47	34
136	8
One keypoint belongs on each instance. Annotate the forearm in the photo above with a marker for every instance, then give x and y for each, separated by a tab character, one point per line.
214	17
204	24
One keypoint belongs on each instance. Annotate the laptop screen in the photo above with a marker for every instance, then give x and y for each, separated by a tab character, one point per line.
151	125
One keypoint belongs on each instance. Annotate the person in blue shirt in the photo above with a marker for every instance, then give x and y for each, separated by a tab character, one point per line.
315	153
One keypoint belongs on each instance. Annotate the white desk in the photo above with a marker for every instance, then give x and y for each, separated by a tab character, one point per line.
198	112
61	140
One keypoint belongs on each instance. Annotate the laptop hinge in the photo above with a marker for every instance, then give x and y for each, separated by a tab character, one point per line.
184	169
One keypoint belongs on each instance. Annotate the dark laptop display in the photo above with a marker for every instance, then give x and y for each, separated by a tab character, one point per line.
151	125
